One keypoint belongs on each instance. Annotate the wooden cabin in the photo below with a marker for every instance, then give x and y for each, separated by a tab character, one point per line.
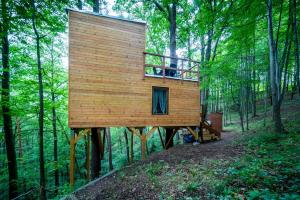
113	82
109	84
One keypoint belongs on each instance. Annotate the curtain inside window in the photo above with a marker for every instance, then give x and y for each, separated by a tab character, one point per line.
159	99
155	100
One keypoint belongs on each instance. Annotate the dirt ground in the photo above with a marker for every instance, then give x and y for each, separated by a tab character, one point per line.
134	186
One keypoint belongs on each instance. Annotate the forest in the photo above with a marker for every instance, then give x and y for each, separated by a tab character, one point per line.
249	55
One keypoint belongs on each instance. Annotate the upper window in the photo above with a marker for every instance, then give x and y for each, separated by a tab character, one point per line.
160	100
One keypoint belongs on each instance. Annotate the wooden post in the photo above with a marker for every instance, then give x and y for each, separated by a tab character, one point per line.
143	145
88	163
72	158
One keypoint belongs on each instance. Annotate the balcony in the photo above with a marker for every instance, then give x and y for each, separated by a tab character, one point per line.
162	66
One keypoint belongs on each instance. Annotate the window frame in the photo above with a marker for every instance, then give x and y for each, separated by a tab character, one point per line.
167	107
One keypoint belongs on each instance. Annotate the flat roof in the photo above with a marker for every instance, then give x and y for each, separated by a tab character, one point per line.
106	16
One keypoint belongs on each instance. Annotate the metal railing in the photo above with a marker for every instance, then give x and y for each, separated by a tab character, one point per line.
156	65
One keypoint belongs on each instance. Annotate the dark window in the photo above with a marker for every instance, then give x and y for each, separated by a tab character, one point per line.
160	100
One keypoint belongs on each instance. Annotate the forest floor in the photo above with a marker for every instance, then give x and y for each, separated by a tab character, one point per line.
240	165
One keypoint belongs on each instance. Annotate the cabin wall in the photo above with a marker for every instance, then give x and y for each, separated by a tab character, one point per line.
106	84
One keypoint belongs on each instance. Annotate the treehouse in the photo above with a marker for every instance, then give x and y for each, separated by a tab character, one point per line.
113	82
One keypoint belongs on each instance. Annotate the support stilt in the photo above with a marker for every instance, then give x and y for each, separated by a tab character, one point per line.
170	141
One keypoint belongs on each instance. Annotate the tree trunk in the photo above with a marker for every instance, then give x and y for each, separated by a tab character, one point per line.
131	148
54	126
169	133
172	20
254	93
18	128
79	4
274	72
296	44
96	161
109	149
41	104
56	172
5	101
127	146
96	6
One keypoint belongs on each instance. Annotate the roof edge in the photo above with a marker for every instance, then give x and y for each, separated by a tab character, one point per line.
106	16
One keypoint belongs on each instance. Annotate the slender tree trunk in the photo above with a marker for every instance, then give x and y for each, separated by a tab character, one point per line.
79	4
96	161
18	129
96	6
109	149
296	44
169	133
54	126
5	101
172	20
131	148
274	72
41	103
127	146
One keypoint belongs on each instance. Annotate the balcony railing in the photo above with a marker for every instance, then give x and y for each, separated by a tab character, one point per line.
161	66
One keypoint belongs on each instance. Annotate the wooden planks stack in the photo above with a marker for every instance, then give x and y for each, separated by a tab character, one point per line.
107	87
207	136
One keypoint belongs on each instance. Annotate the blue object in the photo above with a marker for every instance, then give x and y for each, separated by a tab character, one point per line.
189	138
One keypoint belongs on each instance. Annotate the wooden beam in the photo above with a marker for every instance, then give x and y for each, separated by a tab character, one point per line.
192	132
152	130
80	134
171	138
134	131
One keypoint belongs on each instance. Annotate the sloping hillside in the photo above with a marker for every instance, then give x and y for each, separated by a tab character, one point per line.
253	164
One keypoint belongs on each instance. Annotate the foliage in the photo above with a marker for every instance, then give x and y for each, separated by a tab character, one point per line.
228	37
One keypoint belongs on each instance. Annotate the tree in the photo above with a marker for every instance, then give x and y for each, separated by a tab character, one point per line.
54	117
108	136
274	70
5	102
96	161
41	103
296	43
96	6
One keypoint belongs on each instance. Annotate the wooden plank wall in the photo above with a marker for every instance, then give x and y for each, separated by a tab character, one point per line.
106	86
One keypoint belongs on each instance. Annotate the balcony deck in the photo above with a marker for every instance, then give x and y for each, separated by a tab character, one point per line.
161	66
